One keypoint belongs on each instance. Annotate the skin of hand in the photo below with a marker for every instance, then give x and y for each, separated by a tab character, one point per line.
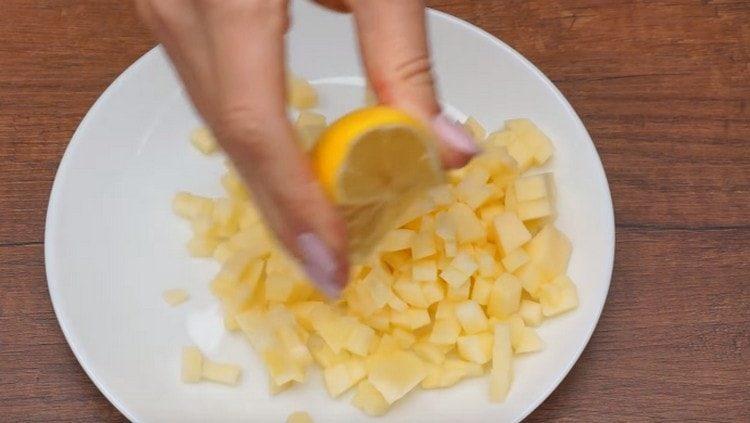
230	57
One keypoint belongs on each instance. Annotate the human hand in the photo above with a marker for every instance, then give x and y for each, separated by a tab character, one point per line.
230	56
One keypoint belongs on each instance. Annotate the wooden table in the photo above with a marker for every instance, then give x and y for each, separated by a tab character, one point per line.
662	86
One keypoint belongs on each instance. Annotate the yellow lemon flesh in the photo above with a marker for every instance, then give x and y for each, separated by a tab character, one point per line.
371	162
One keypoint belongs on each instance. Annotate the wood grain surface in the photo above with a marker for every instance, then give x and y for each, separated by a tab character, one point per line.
662	86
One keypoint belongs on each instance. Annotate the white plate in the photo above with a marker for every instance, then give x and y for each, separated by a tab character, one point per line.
113	245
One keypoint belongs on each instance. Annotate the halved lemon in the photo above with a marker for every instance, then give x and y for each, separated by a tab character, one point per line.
372	162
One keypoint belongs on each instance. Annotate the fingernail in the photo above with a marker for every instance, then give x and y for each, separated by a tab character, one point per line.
319	263
454	134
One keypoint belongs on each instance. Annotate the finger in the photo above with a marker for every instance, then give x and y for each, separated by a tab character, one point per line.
246	43
393	40
178	27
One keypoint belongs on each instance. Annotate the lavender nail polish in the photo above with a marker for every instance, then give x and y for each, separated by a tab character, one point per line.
319	263
454	134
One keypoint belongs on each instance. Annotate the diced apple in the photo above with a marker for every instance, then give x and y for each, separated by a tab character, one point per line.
396	240
403	338
471	317
558	296
529	342
550	251
531	187
410	291
531	278
424	270
360	339
480	291
534	209
475	129
515	259
227	374
423	245
395	373
370	400
300	94
203	140
505	297
340	377
501	373
299	417
475	348
413	318
510	231
429	352
175	297
309	126
468	227
192	364
530	312
323	354
445	331
487	264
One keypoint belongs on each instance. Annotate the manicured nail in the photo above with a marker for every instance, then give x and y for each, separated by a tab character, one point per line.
319	263
454	134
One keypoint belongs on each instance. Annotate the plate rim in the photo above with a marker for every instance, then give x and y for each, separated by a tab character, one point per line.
128	72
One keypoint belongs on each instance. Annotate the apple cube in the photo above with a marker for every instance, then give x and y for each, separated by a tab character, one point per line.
475	348
471	317
227	374
424	270
395	373
423	245
530	312
534	209
429	352
299	417
410	291
501	373
515	259
550	251
510	231
530	135
299	93
460	293
505	297
475	129
531	187
397	240
468	227
309	126
360	339
340	377
480	291
403	338
445	331
323	354
370	400
192	364
531	279
529	342
413	318
175	297
203	140
558	296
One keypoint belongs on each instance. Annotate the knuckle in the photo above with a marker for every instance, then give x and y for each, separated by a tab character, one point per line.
240	129
414	70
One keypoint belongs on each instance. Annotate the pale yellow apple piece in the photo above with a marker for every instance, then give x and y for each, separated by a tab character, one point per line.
395	373
175	297
192	364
